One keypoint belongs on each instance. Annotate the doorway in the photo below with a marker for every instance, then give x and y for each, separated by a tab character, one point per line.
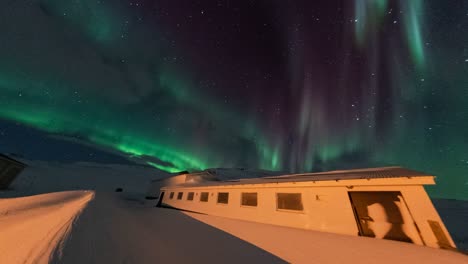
161	197
384	215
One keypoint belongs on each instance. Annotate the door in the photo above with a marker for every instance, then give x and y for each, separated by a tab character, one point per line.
161	197
384	215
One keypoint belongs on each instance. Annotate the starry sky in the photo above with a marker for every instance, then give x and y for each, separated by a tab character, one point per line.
290	86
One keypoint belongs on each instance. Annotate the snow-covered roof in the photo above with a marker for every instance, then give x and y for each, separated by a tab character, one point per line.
226	174
216	175
368	173
338	175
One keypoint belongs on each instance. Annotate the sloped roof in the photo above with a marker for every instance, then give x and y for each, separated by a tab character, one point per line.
368	173
227	174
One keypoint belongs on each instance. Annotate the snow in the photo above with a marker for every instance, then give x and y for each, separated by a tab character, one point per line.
33	227
103	226
123	228
115	229
304	246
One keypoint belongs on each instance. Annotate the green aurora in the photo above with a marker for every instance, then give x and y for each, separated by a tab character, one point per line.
95	71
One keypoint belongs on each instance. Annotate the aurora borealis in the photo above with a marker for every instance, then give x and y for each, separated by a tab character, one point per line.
278	85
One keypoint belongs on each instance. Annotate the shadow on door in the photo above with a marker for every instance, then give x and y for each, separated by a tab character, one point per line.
384	215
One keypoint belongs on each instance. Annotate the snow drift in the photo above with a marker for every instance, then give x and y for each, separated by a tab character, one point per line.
33	227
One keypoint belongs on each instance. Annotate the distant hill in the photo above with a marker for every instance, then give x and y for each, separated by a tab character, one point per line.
43	177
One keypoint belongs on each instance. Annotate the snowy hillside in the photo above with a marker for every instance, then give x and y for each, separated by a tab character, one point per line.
42	177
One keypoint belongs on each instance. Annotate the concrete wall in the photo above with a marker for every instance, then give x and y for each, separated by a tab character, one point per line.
326	208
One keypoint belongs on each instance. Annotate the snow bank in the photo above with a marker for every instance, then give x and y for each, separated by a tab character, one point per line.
31	228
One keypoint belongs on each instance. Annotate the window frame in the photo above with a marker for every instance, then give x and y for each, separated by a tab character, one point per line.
171	195
227	200
207	197
190	195
180	195
286	209
246	205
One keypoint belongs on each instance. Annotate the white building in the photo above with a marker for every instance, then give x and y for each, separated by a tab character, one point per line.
387	203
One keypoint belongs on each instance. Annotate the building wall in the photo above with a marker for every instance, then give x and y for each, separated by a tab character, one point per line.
423	213
327	209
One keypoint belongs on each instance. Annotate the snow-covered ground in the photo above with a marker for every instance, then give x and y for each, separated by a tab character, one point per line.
122	228
304	246
116	228
33	227
109	227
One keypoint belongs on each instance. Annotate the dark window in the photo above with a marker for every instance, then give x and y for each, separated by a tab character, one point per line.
289	201
190	196
223	197
204	197
179	195
249	199
171	196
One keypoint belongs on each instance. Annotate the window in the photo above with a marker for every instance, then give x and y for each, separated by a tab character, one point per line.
204	197
190	196
171	196
223	197
289	201
249	199
179	195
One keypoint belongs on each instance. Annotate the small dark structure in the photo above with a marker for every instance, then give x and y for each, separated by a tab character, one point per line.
9	170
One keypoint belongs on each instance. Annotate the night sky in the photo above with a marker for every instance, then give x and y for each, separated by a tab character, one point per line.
279	85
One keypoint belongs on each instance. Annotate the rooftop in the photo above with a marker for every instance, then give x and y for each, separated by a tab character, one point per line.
338	175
